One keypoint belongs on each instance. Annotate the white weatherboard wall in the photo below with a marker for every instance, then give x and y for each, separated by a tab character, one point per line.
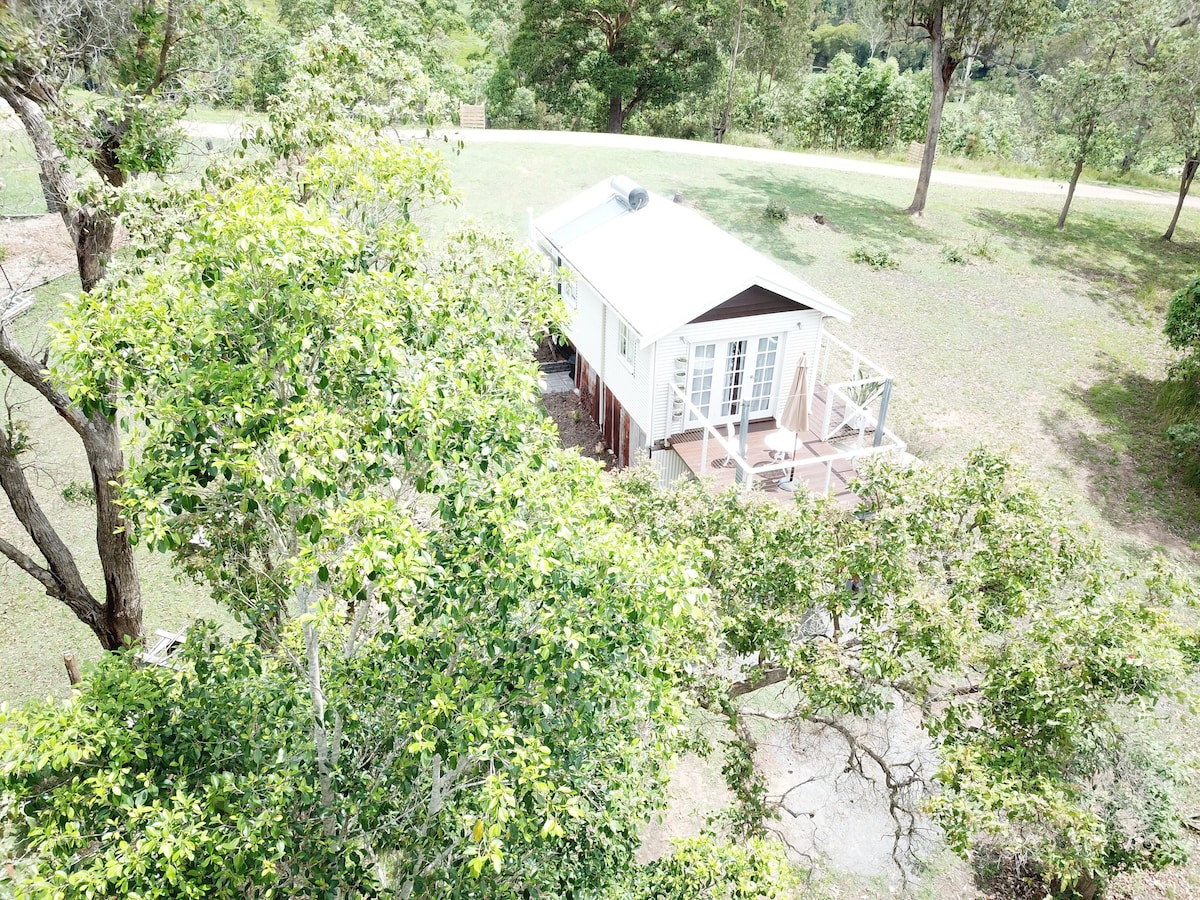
633	387
801	334
585	328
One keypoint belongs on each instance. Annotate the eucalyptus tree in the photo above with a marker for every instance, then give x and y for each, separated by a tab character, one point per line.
1082	106
958	30
620	55
1086	102
132	55
1175	88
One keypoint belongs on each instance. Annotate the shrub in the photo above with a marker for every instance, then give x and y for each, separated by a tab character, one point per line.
875	257
988	124
955	255
775	212
984	249
869	107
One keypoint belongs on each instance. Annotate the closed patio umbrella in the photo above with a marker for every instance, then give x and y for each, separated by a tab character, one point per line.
795	417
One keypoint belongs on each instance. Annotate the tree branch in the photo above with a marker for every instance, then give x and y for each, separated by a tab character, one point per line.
29	565
771	675
25	96
62	579
170	36
31	371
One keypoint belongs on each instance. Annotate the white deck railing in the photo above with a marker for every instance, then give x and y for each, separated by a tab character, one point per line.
886	442
864	391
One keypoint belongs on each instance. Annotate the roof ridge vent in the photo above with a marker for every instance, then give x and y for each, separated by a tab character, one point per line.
629	192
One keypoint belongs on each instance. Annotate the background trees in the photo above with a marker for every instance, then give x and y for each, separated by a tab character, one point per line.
958	31
622	56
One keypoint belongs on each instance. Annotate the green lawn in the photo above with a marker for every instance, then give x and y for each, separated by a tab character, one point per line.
1051	349
20	192
40	627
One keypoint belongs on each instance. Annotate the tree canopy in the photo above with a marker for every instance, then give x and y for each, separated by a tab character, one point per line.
604	59
959	30
338	432
967	599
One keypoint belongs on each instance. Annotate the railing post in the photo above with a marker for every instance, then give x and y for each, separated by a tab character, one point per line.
883	411
747	398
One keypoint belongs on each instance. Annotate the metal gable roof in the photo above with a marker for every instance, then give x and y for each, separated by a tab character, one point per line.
664	265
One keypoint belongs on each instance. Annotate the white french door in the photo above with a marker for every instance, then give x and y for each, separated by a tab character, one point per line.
725	374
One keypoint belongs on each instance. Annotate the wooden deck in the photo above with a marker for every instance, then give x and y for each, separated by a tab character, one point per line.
818	478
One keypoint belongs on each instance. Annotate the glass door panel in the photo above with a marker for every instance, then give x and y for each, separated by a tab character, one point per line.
764	374
735	374
732	361
704	361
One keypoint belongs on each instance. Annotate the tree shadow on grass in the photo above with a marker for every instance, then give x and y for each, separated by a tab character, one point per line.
741	209
1129	472
1122	265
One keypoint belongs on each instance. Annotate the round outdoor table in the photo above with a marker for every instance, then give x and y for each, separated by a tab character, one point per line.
780	442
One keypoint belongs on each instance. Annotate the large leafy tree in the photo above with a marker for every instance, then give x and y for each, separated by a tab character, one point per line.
330	82
469	686
1175	81
969	600
627	54
958	30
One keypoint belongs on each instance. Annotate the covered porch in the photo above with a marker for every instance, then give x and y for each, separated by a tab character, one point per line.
846	423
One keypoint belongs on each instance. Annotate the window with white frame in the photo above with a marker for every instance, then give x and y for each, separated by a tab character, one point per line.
627	344
569	288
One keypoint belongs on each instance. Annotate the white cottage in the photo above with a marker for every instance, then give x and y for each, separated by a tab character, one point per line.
664	306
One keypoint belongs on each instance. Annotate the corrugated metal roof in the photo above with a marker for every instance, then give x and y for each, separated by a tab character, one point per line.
664	265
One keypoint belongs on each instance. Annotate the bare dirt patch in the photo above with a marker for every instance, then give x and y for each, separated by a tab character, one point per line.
36	250
575	426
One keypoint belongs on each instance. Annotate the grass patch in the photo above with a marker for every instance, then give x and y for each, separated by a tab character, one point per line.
20	190
41	628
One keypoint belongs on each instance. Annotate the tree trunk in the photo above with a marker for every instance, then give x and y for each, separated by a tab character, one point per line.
1132	152
942	70
91	230
733	61
118	621
1190	165
114	540
58	184
60	575
616	115
93	234
1062	216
